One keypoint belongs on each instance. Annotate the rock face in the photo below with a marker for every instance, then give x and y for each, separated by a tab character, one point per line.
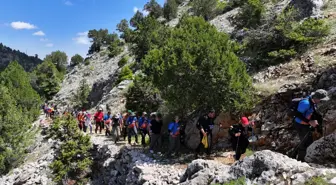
264	167
323	151
222	22
101	75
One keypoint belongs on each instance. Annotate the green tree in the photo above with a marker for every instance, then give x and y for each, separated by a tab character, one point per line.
125	30
18	83
204	8
154	9
73	158
125	74
99	38
60	59
143	96
250	14
46	79
150	33
81	97
76	59
116	46
137	19
198	64
170	9
123	61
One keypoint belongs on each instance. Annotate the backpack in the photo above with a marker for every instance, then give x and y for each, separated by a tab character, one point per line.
294	106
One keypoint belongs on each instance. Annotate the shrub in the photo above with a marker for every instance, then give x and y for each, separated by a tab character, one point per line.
125	74
76	59
143	96
250	14
316	181
115	48
87	61
197	63
204	8
81	97
170	9
123	61
73	160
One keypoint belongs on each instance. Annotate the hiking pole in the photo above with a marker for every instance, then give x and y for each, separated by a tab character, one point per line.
304	138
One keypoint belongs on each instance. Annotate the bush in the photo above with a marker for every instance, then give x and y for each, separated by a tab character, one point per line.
250	14
198	64
123	61
87	61
125	74
81	97
115	48
73	160
204	8
76	59
170	9
143	96
316	181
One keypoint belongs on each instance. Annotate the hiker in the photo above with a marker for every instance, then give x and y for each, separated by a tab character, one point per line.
88	122
205	124
81	120
239	137
108	122
116	123
304	120
174	136
99	119
143	124
131	124
155	132
124	128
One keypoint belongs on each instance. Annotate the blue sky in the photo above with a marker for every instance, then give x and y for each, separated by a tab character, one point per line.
42	26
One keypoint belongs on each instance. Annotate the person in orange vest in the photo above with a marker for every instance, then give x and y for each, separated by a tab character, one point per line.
81	121
108	123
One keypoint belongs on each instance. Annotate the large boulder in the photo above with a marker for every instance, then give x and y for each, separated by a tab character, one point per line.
323	151
264	167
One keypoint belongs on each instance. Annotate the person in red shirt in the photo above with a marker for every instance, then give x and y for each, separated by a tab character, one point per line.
99	119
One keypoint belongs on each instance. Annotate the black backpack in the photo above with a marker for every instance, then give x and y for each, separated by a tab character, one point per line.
294	106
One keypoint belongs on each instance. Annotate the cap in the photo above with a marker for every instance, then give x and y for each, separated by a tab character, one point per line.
100	108
320	94
144	113
244	121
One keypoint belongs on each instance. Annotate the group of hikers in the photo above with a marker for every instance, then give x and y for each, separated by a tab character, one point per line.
128	125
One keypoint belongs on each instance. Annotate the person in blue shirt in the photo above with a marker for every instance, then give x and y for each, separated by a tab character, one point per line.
174	136
305	120
131	124
143	124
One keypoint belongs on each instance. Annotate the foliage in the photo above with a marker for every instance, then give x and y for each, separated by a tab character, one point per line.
87	61
45	80
154	9
18	83
125	74
59	59
137	19
19	106
248	152
150	33
221	6
126	32
123	61
99	38
142	96
74	159
239	181
250	14
76	59
316	181
115	47
7	55
204	8
81	97
170	9
197	63
286	38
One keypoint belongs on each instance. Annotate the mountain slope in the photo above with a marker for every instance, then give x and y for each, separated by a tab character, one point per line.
7	55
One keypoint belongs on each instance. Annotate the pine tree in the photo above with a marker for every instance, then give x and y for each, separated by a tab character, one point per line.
170	9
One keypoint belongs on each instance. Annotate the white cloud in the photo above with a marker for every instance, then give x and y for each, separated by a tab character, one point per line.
145	12
135	9
39	33
68	3
82	38
49	45
22	25
43	39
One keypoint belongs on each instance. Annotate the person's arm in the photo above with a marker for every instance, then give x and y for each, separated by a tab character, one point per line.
170	127
301	110
200	126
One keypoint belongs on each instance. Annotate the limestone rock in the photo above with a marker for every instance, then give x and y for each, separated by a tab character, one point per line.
322	151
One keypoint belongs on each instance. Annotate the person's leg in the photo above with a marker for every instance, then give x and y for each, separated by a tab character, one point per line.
177	145
135	133
117	133
305	138
208	150
171	145
125	132
198	149
101	126
90	125
97	126
113	132
130	133
154	138
84	127
143	135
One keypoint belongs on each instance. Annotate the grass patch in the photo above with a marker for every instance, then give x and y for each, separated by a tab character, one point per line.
239	181
316	181
248	152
